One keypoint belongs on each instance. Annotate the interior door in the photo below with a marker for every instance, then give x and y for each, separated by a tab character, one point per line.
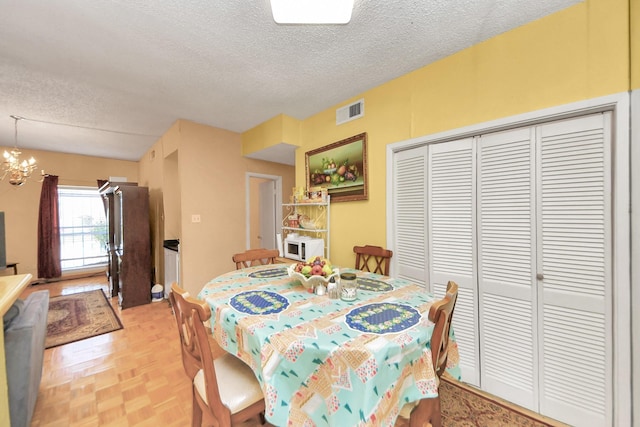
452	243
506	268
410	211
574	275
267	232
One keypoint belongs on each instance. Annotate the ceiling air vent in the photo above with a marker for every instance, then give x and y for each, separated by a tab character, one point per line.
350	112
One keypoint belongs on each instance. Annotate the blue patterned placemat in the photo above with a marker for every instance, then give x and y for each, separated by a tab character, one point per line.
265	274
382	318
374	285
259	302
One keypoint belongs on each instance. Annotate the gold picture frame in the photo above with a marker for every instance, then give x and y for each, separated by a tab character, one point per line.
341	168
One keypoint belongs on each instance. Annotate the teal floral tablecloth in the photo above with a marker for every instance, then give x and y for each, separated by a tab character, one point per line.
326	362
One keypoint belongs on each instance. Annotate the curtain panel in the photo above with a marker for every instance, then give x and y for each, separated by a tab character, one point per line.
49	230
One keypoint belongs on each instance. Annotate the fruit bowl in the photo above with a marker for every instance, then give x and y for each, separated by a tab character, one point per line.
312	281
307	223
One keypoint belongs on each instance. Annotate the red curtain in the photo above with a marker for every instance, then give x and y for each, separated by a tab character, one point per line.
49	230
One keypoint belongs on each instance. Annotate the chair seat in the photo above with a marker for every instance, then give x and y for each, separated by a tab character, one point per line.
239	387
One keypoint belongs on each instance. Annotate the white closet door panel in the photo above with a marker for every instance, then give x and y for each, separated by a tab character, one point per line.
574	256
506	242
410	206
508	361
574	389
451	218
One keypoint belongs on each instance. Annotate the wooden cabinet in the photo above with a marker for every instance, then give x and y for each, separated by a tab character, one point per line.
106	191
133	245
129	242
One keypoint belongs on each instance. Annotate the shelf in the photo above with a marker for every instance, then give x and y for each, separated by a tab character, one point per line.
317	230
306	204
318	213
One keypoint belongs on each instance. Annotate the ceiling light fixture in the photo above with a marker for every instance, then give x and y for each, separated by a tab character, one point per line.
311	11
17	171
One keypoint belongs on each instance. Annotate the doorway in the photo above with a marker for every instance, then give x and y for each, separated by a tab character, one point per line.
263	215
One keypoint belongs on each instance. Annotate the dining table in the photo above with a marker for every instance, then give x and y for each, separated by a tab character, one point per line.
322	361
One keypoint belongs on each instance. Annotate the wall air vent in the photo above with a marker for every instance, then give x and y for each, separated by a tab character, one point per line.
350	112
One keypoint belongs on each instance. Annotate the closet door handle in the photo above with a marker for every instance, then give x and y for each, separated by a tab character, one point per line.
540	276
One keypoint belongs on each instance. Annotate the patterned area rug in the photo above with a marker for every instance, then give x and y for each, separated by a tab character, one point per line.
463	405
78	316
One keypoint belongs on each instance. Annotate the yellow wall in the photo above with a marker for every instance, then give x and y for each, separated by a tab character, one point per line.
211	174
279	129
634	32
21	204
576	54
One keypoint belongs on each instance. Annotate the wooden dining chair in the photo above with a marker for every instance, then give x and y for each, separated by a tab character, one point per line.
253	257
225	390
379	257
427	412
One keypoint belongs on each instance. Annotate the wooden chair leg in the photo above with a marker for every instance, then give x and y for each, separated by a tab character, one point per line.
436	417
427	413
196	417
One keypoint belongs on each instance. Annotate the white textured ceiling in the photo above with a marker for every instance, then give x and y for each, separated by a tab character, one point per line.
127	69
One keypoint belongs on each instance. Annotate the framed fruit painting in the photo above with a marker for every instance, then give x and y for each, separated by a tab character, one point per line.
341	168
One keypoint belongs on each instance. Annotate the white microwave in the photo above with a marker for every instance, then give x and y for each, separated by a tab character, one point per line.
303	248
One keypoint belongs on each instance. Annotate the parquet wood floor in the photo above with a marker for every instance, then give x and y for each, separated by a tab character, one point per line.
130	377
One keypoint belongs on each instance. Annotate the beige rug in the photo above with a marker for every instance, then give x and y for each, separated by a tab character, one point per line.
78	316
463	405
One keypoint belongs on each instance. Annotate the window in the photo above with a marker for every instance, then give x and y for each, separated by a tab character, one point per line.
83	228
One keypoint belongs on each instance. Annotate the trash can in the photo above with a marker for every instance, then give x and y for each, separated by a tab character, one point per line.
157	293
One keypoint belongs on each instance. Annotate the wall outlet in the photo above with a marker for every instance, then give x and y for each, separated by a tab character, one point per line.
195	218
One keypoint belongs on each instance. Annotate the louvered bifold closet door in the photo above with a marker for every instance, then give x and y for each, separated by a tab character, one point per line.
574	234
451	183
410	213
506	271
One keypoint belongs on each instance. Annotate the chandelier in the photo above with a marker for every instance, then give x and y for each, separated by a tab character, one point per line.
17	171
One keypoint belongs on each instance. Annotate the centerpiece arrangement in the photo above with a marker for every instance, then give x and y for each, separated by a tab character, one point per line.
313	272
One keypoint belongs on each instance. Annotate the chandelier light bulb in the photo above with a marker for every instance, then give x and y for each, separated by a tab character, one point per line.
18	171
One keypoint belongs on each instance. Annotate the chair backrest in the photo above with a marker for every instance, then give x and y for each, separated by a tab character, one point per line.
255	257
379	257
441	313
190	314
